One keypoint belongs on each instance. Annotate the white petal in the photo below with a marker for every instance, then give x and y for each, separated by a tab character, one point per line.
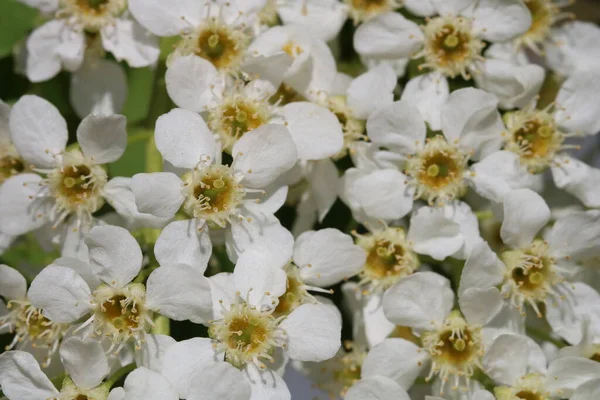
267	385
576	235
153	350
184	358
371	90
129	41
83	269
589	390
179	292
515	85
221	381
313	333
117	394
579	179
498	174
388	35
501	20
181	242
115	255
310	124
61	293
20	210
45	6
43	61
397	359
419	300
98	87
483	269
578	101
451	7
257	278
324	183
421	8
21	377
13	285
376	388
264	154
441	242
573	47
182	138
471	116
158	193
505	360
103	139
72	47
262	230
143	383
84	361
164	19
381	194
322	18
398	126
568	373
327	257
270	70
38	131
428	93
525	214
192	82
479	306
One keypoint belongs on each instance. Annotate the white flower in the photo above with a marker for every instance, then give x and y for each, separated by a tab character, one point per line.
27	322
535	271
407	165
215	195
450	42
451	339
69	185
86	365
251	334
144	383
323	18
573	48
103	289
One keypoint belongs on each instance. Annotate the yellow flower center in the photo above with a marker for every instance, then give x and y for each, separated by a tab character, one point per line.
295	294
450	46
361	10
544	13
438	171
10	164
528	387
353	128
92	15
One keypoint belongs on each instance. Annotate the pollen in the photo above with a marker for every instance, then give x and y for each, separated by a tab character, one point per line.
389	258
438	171
528	387
10	163
362	10
212	193
91	15
247	335
352	127
120	313
215	41
530	276
237	115
31	327
455	349
295	293
451	47
292	49
535	137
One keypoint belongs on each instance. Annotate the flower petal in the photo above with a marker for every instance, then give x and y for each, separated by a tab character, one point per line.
501	20
264	154
115	255
372	90
61	293
38	130
181	242
13	285
127	40
576	235
579	101
182	138
20	209
388	35
418	301
310	124
143	383
85	361
483	269
566	374
428	93
22	378
327	257
158	193
266	385
525	214
43	61
313	333
257	278
164	19
376	388
192	83
153	350
579	179
479	306
179	292
441	242
505	360
221	381
103	139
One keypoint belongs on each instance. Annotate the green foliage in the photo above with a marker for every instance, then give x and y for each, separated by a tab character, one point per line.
16	20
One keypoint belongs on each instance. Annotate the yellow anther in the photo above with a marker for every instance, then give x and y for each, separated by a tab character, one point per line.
433	170
451	41
213	40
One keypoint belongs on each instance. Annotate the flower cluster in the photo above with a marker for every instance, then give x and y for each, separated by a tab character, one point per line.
394	199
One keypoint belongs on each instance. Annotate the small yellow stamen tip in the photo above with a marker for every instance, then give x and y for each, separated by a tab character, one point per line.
433	170
451	41
536	278
241	116
213	40
545	131
69	182
218	183
459	345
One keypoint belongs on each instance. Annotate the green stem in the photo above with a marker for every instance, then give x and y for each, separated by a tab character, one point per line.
139	137
162	326
58	380
114	378
484	214
543	336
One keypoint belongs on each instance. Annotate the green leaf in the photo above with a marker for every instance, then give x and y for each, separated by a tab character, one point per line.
153	158
134	159
16	20
140	83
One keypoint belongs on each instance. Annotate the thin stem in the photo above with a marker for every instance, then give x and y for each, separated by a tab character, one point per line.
139	137
114	378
